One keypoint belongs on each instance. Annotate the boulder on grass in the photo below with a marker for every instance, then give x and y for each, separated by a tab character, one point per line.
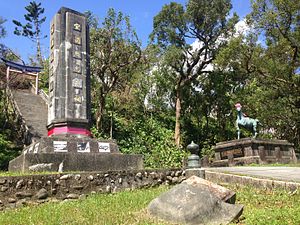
194	202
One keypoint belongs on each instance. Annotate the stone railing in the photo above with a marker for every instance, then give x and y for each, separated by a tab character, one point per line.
41	93
44	96
18	119
16	191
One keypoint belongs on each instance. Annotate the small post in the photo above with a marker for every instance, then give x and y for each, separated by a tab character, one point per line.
7	76
193	165
37	84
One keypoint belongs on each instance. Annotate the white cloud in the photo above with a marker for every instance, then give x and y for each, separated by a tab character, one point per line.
241	27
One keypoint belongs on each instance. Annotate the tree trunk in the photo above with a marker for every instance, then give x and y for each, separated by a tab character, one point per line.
177	120
100	111
39	52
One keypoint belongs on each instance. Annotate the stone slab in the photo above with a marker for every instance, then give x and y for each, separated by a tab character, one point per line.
74	153
189	203
77	161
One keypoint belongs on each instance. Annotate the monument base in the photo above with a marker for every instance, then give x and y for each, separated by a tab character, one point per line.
248	150
73	153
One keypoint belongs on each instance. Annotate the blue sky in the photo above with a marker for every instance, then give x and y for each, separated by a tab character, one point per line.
141	14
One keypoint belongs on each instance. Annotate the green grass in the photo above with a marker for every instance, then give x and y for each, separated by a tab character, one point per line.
128	207
268	206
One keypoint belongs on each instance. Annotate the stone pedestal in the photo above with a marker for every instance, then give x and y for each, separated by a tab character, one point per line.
72	153
259	151
198	172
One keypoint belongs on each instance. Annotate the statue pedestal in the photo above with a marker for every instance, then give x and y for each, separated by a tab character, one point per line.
71	153
247	150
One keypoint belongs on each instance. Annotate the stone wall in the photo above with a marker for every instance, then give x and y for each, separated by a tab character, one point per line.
17	191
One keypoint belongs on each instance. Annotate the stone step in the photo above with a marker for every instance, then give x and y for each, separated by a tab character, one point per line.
34	111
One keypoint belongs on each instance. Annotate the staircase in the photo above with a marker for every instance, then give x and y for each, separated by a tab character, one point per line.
34	111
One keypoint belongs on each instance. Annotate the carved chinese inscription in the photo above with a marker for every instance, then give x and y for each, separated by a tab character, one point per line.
51	57
77	53
77	26
52	43
77	66
77	83
52	29
77	40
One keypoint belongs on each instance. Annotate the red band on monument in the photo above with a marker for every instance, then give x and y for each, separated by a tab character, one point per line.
68	130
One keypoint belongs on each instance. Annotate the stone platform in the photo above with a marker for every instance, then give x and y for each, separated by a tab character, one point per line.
73	153
248	150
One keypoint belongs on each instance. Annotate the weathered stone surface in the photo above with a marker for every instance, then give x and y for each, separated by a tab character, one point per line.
64	177
41	167
90	178
20	183
248	150
72	196
42	194
76	161
220	192
78	187
2	181
11	200
191	203
21	195
3	189
44	187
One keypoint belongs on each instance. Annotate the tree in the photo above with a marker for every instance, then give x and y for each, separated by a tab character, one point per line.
206	23
279	22
2	34
32	29
115	51
270	67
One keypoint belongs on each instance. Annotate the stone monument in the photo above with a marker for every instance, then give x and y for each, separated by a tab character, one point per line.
252	150
69	74
69	145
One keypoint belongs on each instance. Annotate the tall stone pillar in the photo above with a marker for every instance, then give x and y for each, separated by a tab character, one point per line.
69	146
69	76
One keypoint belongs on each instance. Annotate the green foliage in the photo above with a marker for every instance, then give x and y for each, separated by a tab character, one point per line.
8	150
155	142
207	25
2	34
32	28
44	76
115	53
2	29
268	73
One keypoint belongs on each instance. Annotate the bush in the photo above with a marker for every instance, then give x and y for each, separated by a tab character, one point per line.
153	141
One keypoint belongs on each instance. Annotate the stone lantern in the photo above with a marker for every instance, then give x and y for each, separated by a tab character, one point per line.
193	164
193	159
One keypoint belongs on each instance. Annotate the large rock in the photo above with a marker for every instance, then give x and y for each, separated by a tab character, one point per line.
194	202
220	192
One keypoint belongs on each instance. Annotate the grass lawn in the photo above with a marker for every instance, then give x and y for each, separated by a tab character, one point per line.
261	207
